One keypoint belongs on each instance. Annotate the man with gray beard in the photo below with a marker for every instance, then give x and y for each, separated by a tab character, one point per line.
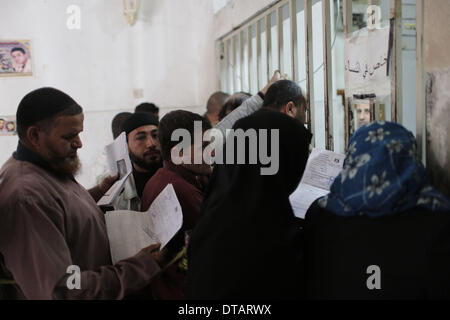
53	240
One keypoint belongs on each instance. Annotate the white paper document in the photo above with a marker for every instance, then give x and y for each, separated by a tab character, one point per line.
321	169
118	158
366	63
131	231
118	162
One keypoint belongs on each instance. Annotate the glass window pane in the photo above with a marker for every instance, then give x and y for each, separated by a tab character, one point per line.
337	76
245	62
237	64
301	45
273	43
319	110
286	52
253	62
382	106
230	66
409	65
359	10
262	72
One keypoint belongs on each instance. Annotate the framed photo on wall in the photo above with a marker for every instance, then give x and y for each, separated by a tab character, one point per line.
15	58
8	126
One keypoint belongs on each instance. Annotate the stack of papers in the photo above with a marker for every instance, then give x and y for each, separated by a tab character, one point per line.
322	168
131	231
118	163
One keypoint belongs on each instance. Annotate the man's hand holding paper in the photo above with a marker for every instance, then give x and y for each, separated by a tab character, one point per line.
130	231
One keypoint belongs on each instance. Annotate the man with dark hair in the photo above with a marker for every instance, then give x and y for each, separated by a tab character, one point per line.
187	179
180	120
232	103
214	105
148	107
53	240
17	49
21	61
248	107
287	97
145	155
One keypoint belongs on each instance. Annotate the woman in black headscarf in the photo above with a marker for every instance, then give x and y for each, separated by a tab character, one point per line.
248	242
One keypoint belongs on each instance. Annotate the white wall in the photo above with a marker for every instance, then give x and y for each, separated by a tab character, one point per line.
168	54
219	4
232	13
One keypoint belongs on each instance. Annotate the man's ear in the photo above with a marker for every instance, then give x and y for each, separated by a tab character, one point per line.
33	135
289	109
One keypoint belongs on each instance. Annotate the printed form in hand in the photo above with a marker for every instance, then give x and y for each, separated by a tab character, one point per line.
322	168
131	231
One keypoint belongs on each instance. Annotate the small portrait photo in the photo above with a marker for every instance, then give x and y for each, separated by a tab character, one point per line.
15	58
7	126
363	113
122	168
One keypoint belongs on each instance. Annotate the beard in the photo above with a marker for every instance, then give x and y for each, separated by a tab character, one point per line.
154	164
67	166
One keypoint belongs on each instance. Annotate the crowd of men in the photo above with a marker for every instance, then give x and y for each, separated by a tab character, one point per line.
239	238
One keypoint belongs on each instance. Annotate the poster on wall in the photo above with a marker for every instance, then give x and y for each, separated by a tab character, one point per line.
367	64
15	58
8	126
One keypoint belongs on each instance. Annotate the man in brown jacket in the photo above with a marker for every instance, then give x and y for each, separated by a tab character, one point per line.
53	240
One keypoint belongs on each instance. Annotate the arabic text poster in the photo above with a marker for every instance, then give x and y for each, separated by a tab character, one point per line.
366	63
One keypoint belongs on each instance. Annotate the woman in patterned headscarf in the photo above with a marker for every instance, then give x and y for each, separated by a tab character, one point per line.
383	232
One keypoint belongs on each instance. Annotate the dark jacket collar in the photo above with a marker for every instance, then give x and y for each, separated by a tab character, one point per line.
24	154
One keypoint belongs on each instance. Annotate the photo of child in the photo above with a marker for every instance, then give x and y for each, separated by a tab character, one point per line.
7	126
